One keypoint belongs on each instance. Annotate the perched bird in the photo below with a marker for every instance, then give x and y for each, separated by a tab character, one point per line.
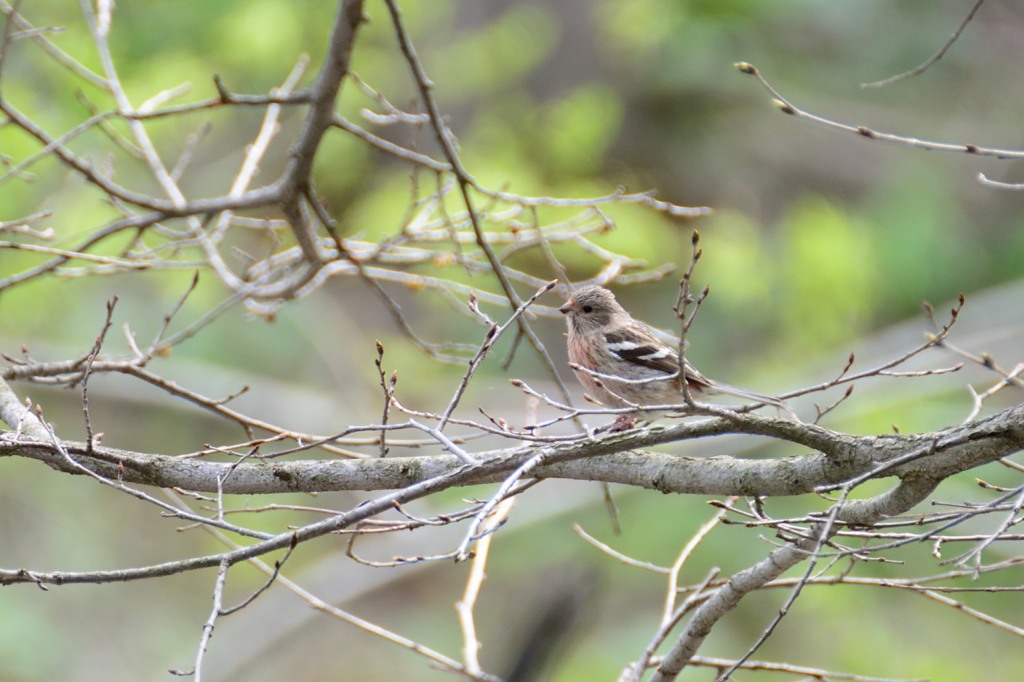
604	338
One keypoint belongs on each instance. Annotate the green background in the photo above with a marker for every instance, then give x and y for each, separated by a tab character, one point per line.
821	243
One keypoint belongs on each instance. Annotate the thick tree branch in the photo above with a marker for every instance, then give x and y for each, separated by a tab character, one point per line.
616	458
296	184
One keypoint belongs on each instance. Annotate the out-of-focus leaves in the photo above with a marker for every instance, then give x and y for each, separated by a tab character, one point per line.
826	273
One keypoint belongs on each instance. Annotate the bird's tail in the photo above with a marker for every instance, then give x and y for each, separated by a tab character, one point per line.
718	387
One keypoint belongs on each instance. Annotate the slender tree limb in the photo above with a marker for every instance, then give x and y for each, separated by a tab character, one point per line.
895	501
786	107
924	66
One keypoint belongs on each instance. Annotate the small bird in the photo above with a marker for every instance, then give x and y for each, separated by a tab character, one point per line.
604	338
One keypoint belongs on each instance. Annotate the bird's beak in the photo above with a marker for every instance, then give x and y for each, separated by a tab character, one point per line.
568	307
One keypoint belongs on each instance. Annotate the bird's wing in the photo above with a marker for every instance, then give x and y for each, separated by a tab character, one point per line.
638	345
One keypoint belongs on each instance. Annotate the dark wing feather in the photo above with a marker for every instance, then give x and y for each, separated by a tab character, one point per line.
638	345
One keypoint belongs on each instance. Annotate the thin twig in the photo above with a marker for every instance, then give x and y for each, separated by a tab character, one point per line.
444	139
634	672
681	308
389	389
684	555
90	438
464	607
215	613
493	334
787	107
921	68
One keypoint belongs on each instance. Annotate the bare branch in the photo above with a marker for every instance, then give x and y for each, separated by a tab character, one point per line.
788	108
924	66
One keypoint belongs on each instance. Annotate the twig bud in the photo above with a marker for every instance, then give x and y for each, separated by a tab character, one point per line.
784	107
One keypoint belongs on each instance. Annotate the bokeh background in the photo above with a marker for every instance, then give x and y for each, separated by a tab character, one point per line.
821	243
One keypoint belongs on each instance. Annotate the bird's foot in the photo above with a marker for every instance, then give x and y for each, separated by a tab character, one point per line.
622	423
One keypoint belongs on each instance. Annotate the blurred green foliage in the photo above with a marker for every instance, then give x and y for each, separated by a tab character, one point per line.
818	240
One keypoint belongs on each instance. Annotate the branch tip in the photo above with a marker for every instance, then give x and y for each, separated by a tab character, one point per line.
222	91
784	107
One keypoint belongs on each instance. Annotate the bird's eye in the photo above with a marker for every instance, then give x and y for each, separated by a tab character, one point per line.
588	308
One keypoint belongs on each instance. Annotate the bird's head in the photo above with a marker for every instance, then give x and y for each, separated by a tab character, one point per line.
591	308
